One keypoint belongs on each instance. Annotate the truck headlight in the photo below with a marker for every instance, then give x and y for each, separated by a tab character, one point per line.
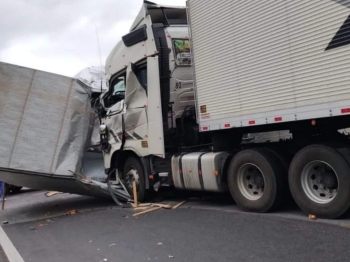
103	130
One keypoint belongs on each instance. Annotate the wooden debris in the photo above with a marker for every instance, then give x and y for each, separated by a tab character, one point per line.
146	211
162	206
135	192
52	193
140	208
71	212
179	204
141	205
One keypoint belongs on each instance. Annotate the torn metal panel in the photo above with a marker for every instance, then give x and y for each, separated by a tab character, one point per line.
91	182
94	77
46	127
135	94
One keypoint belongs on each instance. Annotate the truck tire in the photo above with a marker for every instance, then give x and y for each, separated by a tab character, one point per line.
319	180
133	170
255	180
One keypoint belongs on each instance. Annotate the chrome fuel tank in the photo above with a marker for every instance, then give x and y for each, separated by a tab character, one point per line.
199	171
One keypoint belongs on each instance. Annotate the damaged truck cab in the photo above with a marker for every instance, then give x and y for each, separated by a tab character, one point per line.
150	96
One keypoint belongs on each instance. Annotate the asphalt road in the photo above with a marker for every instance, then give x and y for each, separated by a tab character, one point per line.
201	230
3	257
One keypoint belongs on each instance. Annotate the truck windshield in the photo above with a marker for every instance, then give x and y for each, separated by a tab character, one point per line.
182	52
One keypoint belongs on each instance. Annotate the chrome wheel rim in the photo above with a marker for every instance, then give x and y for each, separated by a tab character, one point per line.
320	182
251	181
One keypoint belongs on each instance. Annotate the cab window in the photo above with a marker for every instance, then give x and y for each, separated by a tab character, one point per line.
119	85
116	91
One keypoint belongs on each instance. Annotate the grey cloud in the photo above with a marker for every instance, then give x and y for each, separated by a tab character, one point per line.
59	35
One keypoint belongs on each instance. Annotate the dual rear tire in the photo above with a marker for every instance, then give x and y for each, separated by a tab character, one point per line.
256	179
318	178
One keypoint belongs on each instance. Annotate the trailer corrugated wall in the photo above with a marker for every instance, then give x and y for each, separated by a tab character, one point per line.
44	121
268	61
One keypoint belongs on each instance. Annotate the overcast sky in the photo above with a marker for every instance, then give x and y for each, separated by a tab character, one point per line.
59	35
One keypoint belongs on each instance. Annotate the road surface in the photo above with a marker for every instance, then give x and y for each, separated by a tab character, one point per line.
204	229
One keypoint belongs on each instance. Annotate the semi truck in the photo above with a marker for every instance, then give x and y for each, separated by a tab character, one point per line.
188	85
248	98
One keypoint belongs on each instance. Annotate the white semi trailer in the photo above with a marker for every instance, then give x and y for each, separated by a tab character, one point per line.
258	67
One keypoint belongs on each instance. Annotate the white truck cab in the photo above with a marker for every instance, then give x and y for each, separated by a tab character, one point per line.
150	101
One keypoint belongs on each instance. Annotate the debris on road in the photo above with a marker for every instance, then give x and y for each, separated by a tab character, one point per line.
52	193
312	217
140	208
141	205
150	207
146	211
71	212
179	204
159	243
5	222
134	187
112	244
162	206
170	256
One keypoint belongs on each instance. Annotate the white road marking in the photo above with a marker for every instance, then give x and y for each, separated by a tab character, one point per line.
10	251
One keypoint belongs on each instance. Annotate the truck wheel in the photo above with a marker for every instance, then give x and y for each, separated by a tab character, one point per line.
133	171
255	180
319	180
